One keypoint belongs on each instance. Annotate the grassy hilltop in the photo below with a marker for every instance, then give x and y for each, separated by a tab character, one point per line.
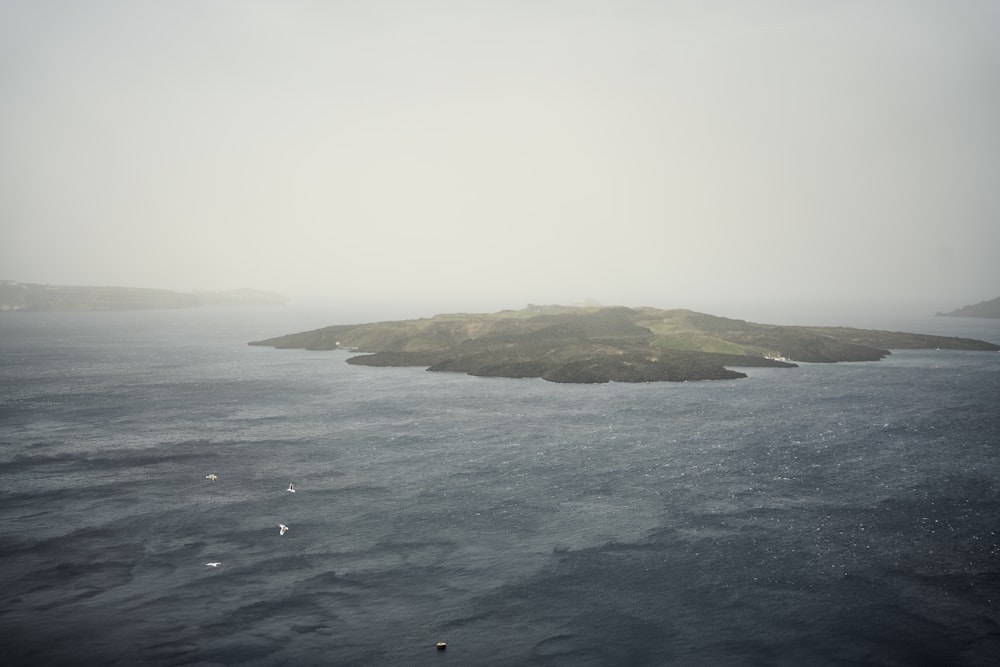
602	344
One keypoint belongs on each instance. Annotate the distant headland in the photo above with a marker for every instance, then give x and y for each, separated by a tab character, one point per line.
15	296
604	344
989	308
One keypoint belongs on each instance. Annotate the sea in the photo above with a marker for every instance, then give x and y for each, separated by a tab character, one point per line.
829	514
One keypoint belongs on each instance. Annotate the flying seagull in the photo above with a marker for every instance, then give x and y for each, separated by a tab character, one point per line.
282	528
212	476
291	487
213	564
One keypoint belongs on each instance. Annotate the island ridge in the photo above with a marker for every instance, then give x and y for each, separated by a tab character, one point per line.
604	344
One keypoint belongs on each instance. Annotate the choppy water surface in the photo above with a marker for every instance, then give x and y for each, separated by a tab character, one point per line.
829	514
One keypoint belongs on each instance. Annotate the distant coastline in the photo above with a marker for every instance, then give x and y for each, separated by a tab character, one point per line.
989	308
21	297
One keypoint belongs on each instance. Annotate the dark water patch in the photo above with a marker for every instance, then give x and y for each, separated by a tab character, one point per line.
80	463
171	653
746	523
317	628
273	615
887	634
238	651
623	640
409	552
784	597
326	581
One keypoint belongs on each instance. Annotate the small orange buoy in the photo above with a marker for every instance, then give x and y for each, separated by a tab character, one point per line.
442	646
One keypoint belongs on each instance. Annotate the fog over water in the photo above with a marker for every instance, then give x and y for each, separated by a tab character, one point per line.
403	159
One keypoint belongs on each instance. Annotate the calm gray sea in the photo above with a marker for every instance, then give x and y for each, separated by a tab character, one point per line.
823	515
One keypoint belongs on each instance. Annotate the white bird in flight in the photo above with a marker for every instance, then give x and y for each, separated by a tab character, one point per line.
291	487
282	528
216	564
212	476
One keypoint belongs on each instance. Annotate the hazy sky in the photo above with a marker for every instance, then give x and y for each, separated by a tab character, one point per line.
673	154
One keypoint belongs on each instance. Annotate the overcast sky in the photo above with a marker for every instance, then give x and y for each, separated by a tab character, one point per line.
492	154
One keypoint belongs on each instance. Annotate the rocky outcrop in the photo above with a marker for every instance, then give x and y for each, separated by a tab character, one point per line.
615	344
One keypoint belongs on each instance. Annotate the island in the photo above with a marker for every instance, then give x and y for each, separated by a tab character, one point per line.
604	344
15	296
989	308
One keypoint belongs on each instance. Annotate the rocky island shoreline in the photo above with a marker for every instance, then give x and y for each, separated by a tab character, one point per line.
605	344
